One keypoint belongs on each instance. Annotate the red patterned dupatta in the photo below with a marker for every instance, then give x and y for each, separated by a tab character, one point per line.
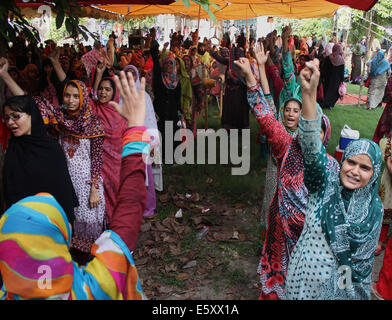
82	123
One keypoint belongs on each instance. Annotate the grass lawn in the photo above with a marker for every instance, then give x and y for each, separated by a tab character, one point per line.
354	89
223	182
365	121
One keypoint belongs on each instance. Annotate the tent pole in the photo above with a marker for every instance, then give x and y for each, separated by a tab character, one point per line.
246	28
198	22
367	49
349	28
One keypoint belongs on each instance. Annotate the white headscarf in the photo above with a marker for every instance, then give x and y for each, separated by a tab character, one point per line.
328	49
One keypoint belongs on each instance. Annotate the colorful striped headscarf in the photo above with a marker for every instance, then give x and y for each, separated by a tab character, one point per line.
35	237
35	262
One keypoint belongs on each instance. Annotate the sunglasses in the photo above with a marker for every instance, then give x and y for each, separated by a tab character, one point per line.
13	117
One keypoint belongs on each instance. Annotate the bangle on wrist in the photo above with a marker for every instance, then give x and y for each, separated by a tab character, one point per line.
252	86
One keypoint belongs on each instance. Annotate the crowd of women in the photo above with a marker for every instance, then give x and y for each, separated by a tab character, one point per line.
73	154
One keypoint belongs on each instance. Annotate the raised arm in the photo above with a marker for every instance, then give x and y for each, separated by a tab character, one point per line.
54	56
110	51
262	58
11	84
277	136
217	57
155	58
314	153
98	76
131	197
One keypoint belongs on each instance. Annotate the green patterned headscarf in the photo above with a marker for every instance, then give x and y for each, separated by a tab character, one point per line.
291	89
351	219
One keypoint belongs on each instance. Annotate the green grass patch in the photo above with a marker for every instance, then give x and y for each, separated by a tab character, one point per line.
172	281
355	88
223	181
165	211
356	118
236	277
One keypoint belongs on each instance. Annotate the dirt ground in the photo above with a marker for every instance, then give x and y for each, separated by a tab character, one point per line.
174	264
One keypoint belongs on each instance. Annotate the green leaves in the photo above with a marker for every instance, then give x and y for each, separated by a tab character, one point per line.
12	22
186	3
60	19
204	4
68	12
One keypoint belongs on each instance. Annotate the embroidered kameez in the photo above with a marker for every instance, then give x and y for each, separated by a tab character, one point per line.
287	208
81	136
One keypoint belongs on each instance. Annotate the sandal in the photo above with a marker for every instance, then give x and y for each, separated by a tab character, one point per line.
380	248
373	288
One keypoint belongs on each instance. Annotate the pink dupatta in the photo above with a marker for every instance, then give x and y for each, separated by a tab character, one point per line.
114	126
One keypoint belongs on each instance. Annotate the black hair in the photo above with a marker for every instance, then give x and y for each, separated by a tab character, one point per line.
18	104
43	81
112	84
73	84
306	57
293	99
190	59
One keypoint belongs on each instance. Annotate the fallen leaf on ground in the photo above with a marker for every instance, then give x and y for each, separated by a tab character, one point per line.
163	289
222	236
180	196
242	237
161	228
197	220
145	227
167	223
164	197
180	204
195	197
190	264
141	261
182	276
235	235
169	239
171	267
149	242
175	251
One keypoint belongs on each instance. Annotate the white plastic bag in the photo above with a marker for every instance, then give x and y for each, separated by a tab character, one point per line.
347	132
